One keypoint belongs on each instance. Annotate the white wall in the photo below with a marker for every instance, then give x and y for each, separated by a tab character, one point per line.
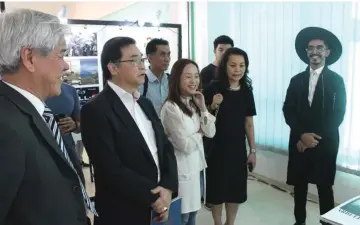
47	7
171	12
95	10
200	36
274	166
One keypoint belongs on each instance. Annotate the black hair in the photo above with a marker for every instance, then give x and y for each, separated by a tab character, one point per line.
223	39
112	51
174	85
222	75
151	47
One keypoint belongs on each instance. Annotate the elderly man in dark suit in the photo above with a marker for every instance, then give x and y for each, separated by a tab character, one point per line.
134	163
41	182
314	108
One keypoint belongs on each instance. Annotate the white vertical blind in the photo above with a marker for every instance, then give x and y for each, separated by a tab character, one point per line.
267	31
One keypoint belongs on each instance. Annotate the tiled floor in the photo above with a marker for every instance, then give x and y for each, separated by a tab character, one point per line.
265	206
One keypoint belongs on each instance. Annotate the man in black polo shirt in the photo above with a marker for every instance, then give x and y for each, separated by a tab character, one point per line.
221	44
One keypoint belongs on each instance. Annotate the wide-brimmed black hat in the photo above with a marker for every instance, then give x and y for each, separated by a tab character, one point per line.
311	33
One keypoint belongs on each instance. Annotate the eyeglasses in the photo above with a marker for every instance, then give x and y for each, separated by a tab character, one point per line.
134	62
318	48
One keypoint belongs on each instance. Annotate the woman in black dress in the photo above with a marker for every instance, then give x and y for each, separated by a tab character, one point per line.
231	99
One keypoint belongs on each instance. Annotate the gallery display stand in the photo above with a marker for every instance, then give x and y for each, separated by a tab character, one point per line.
86	43
88	38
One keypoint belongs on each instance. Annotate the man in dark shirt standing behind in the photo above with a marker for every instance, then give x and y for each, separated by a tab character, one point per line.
66	108
221	44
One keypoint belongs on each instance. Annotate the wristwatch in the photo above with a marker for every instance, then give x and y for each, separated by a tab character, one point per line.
252	150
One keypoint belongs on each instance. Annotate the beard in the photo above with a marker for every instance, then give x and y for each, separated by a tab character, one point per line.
316	59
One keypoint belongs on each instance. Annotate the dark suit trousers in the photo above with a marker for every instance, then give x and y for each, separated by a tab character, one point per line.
326	201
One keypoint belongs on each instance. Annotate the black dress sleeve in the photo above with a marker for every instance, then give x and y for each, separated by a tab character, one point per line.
250	102
209	93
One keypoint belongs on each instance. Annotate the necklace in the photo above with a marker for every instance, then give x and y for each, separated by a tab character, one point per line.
234	89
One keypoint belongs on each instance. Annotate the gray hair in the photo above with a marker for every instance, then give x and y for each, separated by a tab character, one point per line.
27	28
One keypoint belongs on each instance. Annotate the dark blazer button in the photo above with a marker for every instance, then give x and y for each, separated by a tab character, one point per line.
81	217
76	188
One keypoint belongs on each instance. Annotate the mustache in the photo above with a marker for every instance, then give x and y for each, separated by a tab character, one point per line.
315	55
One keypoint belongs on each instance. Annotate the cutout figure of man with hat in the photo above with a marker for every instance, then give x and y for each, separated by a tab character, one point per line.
314	108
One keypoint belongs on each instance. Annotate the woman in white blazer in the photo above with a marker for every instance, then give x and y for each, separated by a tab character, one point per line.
186	120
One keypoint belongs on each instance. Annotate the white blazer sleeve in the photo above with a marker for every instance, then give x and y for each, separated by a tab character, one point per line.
171	118
208	124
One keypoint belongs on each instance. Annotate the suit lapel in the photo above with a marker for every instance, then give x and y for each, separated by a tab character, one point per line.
323	91
50	139
305	80
327	82
126	118
156	127
322	87
27	108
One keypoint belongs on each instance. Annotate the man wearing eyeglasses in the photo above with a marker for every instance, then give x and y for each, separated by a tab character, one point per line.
314	108
134	163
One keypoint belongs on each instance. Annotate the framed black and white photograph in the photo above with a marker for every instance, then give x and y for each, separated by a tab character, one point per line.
82	42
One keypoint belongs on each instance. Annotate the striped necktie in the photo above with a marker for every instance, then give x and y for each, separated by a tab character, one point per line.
52	124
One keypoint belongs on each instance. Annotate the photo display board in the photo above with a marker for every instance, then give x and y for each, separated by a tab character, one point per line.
142	36
83	57
86	42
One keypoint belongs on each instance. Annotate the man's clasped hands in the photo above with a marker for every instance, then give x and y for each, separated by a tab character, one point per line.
162	204
308	140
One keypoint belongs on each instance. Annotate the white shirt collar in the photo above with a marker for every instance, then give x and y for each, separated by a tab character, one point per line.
186	100
151	75
123	95
35	101
318	70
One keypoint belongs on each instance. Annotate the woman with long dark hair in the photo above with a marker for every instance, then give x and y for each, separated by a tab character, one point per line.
186	120
231	99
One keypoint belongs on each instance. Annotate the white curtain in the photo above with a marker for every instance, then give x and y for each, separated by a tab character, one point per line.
267	31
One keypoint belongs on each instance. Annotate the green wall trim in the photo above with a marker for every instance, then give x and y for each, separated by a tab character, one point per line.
192	24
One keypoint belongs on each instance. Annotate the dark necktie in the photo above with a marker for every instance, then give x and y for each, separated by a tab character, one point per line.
52	124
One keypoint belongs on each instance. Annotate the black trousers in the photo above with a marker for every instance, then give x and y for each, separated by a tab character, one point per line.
326	201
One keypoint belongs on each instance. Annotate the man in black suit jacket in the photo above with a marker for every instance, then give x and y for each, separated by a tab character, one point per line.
134	163
38	186
314	108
